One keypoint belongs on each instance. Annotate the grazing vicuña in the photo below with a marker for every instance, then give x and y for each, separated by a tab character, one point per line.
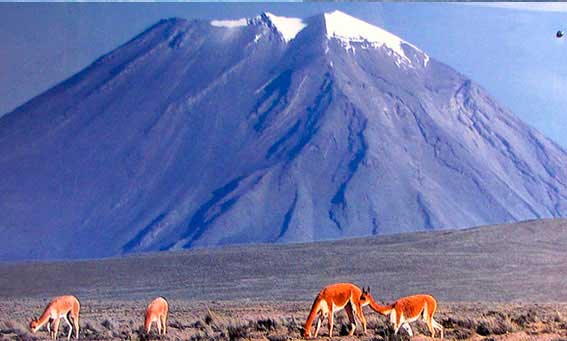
157	312
62	307
334	298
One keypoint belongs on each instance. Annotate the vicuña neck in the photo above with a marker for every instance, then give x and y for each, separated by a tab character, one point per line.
381	309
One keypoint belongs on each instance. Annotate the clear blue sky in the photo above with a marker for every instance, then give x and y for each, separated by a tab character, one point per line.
512	53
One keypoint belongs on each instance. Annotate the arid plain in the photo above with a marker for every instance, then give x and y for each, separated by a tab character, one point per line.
495	282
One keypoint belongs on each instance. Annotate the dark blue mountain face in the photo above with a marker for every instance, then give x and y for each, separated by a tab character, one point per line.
198	135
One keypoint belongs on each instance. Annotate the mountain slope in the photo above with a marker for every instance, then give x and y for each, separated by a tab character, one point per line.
465	265
267	129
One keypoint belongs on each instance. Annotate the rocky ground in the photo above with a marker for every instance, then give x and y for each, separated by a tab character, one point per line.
232	320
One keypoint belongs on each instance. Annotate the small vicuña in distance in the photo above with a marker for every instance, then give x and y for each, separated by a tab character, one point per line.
157	312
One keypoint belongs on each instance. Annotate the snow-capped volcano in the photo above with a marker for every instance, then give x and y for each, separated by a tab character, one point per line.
338	25
268	129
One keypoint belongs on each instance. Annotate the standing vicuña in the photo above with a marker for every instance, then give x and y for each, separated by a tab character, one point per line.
334	298
63	307
157	312
408	309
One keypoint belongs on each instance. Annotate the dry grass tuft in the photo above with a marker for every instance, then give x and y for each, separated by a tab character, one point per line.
14	330
266	325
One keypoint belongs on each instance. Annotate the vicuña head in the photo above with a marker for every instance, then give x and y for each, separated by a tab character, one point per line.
365	296
333	298
63	307
157	312
34	325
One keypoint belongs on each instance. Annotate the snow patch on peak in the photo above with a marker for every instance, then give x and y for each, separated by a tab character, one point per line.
230	23
349	29
425	59
288	27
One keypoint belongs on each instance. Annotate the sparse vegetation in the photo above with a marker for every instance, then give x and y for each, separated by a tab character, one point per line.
238	320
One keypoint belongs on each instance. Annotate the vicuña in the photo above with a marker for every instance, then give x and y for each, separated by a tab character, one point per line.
157	312
333	298
408	309
62	307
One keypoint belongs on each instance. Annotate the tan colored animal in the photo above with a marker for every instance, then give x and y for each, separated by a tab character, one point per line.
408	309
62	307
157	312
333	298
